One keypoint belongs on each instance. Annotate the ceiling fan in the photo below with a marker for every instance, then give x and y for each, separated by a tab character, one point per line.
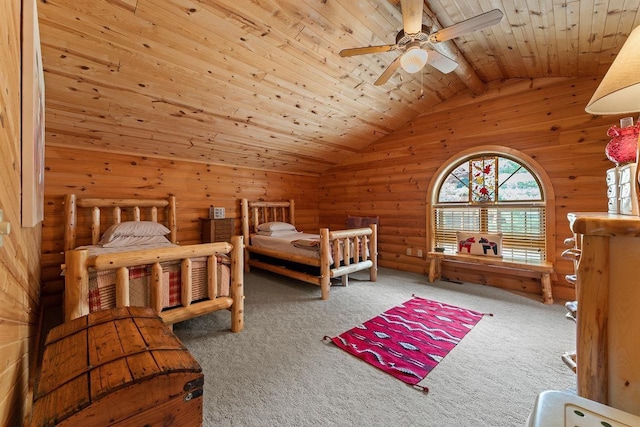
414	40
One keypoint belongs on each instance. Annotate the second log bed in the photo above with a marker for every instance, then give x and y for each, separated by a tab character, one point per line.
179	282
356	248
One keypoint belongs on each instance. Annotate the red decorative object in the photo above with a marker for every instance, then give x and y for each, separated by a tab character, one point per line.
623	145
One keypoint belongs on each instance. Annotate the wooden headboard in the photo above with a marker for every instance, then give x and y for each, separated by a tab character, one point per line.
119	210
259	212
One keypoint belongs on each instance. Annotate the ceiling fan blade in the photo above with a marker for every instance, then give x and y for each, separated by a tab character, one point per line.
440	62
411	15
388	72
472	24
366	50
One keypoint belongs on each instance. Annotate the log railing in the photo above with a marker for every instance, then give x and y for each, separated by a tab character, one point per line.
357	246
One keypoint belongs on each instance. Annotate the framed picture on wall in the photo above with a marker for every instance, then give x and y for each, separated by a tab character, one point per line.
32	171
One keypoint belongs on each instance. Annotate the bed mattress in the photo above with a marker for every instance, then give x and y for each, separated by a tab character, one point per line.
284	243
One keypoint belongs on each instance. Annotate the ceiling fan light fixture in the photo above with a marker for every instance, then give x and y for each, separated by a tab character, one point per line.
414	59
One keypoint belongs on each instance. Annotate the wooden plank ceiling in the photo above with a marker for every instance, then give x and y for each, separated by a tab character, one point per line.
260	84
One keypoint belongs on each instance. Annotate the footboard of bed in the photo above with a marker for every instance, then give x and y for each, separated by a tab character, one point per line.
78	264
360	252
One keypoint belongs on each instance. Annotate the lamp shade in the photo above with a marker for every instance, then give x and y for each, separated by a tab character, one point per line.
619	91
413	59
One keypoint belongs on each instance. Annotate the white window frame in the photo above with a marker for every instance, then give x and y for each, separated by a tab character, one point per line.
545	249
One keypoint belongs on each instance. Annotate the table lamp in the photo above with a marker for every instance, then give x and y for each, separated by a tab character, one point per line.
619	93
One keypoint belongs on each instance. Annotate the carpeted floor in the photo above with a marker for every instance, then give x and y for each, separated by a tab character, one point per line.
279	372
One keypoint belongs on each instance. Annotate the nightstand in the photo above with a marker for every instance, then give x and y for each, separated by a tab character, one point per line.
216	230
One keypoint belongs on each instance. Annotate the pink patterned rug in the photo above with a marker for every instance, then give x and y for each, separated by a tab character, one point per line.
409	340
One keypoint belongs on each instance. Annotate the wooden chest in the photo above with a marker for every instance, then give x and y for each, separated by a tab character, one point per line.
114	368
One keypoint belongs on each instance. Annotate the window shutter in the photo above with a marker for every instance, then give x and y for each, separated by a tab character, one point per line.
448	220
523	231
523	228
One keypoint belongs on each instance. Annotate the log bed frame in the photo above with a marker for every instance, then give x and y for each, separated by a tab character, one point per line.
78	263
258	212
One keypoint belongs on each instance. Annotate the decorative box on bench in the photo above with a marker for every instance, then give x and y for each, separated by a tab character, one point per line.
117	367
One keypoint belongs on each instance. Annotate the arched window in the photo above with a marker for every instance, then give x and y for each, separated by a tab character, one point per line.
491	192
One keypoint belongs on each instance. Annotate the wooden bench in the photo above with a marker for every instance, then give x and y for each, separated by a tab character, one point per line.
543	269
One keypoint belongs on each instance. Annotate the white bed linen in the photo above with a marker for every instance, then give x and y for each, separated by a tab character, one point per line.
283	243
99	249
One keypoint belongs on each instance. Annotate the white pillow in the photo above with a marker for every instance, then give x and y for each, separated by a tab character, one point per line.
134	228
276	226
125	241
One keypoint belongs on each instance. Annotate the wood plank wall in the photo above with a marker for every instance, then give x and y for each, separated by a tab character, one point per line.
543	118
196	186
20	253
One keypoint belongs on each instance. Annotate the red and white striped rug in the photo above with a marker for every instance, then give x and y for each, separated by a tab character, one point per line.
409	340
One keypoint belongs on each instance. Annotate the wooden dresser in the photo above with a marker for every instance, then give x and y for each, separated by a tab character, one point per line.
216	230
608	314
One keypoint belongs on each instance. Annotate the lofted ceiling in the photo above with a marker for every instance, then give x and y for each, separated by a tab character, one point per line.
260	84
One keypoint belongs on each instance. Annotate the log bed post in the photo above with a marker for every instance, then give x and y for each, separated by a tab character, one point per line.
76	290
95	225
373	256
343	245
245	232
212	277
237	291
357	241
186	283
70	219
292	212
173	223
155	291
122	287
325	263
117	215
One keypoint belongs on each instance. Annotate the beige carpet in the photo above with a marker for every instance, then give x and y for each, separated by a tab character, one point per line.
279	372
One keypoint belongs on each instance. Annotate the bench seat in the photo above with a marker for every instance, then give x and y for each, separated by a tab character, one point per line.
543	270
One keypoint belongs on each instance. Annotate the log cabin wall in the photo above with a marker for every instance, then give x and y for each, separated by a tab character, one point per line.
20	252
197	187
543	118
